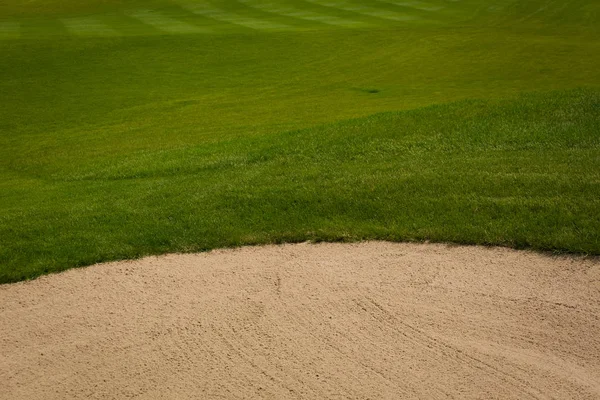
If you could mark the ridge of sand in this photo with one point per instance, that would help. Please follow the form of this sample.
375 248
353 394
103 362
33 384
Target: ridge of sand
328 321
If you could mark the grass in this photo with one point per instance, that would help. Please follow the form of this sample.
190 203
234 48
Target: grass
468 124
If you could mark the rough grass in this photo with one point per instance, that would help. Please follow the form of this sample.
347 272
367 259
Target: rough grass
146 142
520 173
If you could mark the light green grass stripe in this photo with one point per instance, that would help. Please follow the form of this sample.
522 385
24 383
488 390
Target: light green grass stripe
413 4
10 30
166 24
208 10
365 10
292 12
88 26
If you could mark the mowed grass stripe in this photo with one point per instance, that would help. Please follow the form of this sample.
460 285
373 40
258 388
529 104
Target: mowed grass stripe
365 10
165 23
417 5
425 12
10 30
209 11
288 11
129 26
88 26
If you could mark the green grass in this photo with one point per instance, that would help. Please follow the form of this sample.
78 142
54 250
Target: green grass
122 138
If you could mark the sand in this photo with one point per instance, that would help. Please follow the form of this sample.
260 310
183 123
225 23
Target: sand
329 321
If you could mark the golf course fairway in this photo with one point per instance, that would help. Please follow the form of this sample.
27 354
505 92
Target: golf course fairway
132 128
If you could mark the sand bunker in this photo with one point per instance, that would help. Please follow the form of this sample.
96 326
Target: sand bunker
329 321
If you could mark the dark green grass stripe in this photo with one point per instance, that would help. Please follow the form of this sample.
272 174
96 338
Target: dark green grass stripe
42 28
10 29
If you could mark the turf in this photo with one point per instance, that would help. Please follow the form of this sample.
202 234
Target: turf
142 127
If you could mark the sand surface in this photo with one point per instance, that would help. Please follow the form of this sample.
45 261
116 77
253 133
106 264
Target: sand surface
329 321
